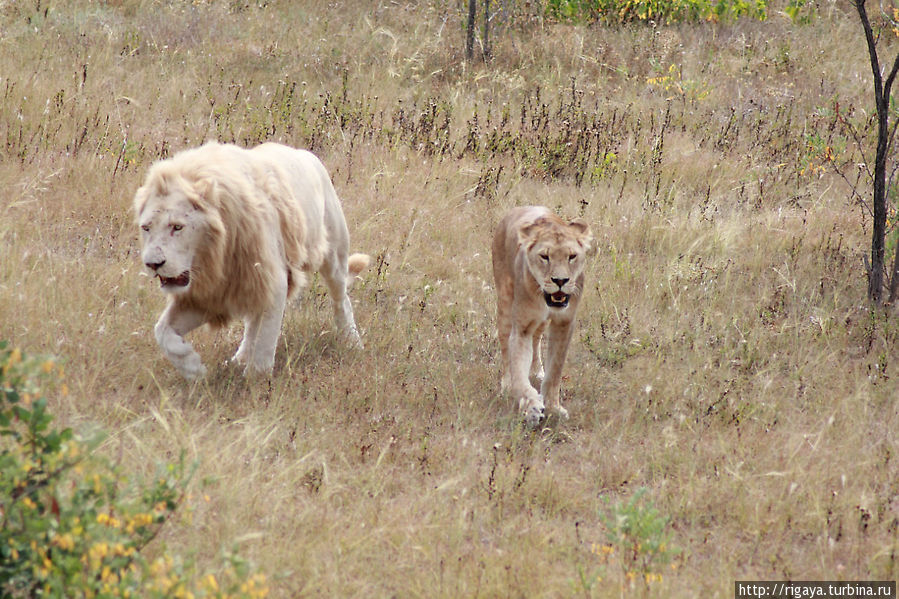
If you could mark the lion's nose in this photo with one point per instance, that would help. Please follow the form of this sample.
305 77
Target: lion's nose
154 265
559 282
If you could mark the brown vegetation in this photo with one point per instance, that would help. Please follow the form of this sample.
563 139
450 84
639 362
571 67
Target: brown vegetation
726 357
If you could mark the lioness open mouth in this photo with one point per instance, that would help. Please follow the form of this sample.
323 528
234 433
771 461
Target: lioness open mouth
181 280
559 299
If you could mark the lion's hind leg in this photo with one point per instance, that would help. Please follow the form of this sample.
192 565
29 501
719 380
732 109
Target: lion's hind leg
335 271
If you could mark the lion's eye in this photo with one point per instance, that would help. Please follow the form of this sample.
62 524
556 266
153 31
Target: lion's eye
177 227
572 257
544 257
145 228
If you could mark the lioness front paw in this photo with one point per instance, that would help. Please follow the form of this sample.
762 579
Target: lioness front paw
350 336
559 411
533 410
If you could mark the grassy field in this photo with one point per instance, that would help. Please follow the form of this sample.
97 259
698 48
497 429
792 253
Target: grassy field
728 384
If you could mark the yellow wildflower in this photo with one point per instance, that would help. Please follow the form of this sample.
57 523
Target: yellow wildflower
64 542
138 521
97 552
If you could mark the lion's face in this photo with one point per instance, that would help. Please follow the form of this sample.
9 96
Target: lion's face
555 257
172 228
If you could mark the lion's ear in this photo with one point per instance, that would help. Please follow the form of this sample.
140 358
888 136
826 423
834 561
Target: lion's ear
585 236
140 200
205 190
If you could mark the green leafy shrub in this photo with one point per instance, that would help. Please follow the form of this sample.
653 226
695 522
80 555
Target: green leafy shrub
638 534
659 11
71 525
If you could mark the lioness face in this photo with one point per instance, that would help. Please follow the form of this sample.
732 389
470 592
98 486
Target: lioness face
171 229
555 257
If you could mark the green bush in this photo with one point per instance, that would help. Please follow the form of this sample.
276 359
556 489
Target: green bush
72 524
659 11
638 534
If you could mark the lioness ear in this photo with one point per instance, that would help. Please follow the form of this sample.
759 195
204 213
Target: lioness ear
585 237
526 233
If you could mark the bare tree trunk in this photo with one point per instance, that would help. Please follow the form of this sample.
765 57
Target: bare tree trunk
486 30
882 103
469 37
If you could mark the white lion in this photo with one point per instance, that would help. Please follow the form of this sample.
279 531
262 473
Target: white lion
231 232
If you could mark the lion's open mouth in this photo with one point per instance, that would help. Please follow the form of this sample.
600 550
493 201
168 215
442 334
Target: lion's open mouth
182 280
559 299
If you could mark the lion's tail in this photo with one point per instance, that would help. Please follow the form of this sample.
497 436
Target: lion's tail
356 263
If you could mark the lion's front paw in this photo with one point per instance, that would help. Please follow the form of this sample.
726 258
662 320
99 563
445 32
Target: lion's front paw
532 410
192 368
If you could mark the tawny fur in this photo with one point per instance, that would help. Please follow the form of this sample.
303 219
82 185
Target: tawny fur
538 268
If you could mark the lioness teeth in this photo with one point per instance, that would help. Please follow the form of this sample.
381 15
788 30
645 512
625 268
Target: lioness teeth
558 299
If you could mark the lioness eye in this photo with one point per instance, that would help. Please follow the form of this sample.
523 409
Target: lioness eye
544 257
145 228
572 257
177 227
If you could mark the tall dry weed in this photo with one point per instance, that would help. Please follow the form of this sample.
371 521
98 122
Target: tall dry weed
725 360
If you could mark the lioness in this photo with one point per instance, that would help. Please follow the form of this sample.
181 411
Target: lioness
230 233
538 266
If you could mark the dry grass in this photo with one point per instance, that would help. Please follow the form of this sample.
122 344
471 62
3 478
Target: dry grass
726 359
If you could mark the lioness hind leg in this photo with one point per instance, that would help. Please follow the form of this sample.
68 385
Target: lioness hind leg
503 330
557 348
170 329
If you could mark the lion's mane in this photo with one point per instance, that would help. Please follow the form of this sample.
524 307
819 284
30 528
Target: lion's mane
243 199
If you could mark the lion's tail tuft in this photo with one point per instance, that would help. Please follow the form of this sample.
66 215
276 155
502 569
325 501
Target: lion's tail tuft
356 263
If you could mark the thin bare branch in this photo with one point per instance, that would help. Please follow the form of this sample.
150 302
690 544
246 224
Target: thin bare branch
872 50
